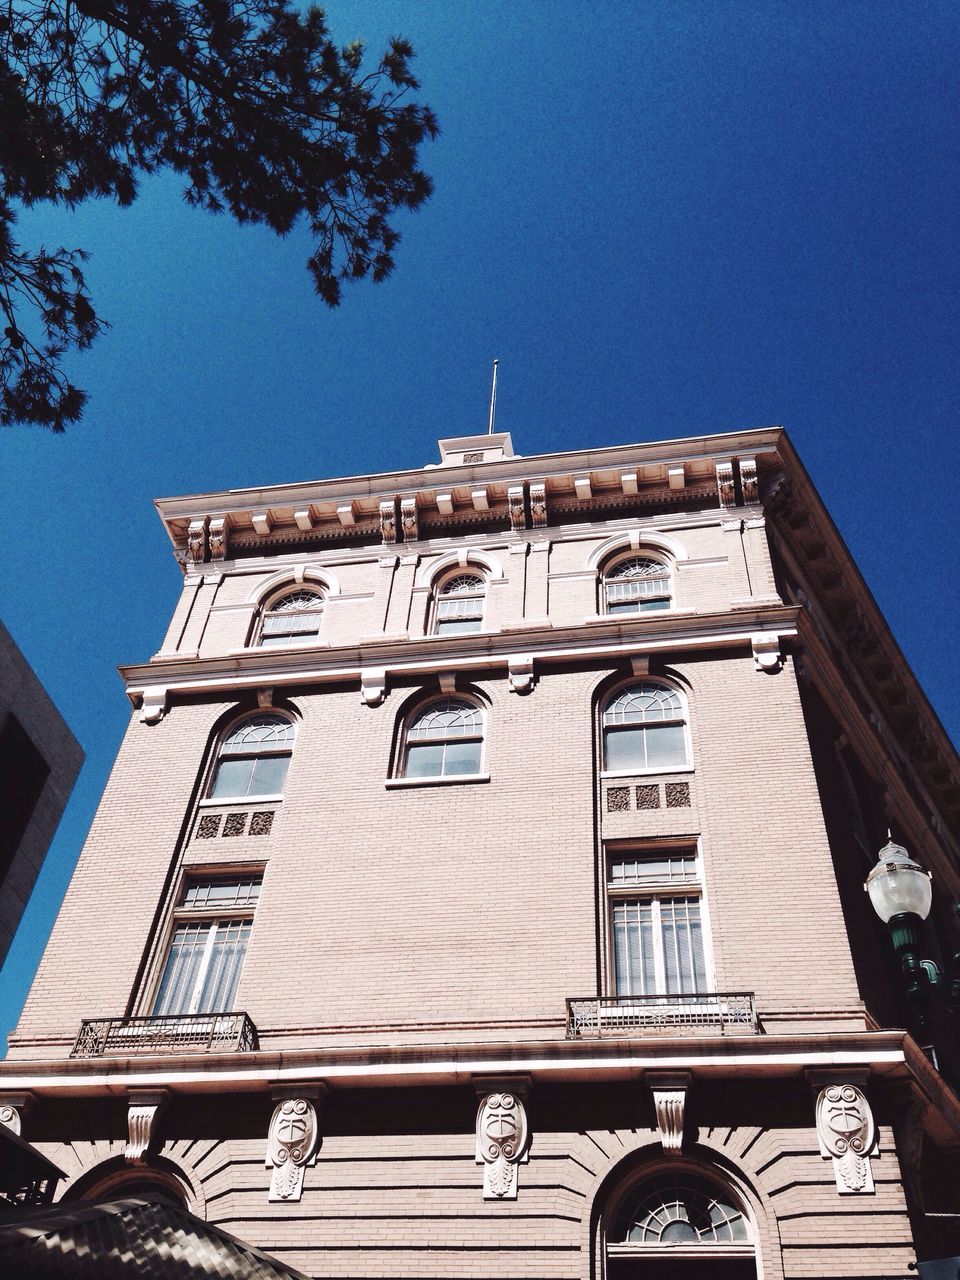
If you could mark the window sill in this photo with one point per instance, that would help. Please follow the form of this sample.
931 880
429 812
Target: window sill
649 773
236 802
394 784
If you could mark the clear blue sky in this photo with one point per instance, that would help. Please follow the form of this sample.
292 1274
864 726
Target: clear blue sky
666 217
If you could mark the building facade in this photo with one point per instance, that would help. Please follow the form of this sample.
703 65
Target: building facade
479 887
39 763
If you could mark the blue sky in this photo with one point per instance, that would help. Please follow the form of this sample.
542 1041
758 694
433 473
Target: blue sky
665 218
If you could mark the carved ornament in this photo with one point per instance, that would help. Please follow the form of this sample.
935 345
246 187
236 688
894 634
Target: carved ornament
197 540
292 1144
218 539
748 480
669 1099
388 520
766 652
502 1139
15 1110
153 705
538 505
373 686
725 489
143 1110
518 521
845 1131
520 671
408 518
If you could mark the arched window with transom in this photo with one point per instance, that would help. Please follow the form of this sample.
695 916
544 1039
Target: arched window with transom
678 1224
645 730
444 739
292 617
458 603
253 758
636 584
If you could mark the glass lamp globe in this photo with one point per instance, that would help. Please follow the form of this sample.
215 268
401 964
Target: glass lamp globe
898 885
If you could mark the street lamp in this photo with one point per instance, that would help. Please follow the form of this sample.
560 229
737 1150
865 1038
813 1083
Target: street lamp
901 894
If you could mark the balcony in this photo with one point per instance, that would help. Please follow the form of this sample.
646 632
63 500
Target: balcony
702 1013
177 1033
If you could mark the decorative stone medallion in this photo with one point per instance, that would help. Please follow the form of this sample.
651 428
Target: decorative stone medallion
291 1146
502 1135
845 1130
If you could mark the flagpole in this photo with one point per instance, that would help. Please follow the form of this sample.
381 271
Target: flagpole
493 399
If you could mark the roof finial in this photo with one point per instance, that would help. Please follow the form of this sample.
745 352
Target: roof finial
493 399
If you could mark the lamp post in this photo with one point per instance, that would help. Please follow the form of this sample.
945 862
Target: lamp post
901 894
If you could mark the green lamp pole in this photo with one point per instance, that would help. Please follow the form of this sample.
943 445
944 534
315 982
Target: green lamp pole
901 894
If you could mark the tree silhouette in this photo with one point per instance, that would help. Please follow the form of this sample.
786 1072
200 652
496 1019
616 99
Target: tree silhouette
249 99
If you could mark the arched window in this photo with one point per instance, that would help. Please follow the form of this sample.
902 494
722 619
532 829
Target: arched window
667 1224
444 739
636 584
292 617
644 729
253 758
458 605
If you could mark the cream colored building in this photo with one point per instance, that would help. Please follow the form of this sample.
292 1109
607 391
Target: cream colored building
479 887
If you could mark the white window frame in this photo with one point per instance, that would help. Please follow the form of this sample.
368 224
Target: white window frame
647 772
641 553
213 915
270 606
219 754
655 891
409 722
437 595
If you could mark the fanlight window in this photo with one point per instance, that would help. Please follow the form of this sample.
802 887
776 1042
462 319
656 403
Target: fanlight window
644 728
678 1209
444 739
253 758
637 585
459 604
291 618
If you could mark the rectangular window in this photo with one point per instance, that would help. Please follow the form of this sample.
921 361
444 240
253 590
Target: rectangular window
656 931
635 748
210 936
456 616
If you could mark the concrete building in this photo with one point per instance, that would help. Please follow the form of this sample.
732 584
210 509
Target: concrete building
39 763
479 890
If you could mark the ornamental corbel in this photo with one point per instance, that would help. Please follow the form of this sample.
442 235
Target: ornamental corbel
153 704
293 1141
669 1091
725 487
518 520
503 1135
748 480
520 671
373 685
143 1111
408 519
388 520
845 1129
766 652
217 536
538 505
15 1109
197 540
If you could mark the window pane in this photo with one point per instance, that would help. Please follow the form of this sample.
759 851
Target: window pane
187 948
268 775
223 969
424 760
653 868
461 757
682 945
232 778
222 893
457 626
633 948
626 750
666 746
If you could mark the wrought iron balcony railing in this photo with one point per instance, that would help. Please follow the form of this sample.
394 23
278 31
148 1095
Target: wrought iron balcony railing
705 1011
176 1033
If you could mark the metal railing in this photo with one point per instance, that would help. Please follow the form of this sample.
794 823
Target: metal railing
719 1011
176 1033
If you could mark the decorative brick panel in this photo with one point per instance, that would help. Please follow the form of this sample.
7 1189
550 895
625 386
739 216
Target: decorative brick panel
618 799
235 824
208 826
473 457
648 796
261 823
678 795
